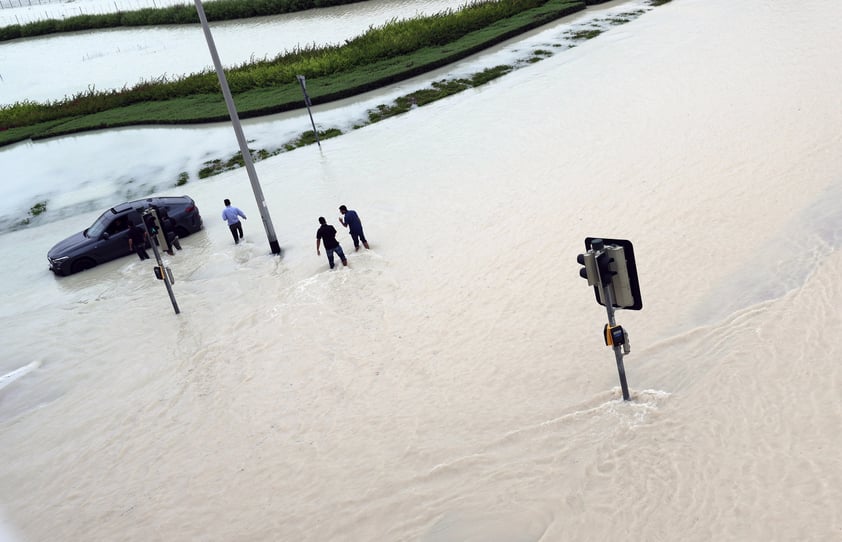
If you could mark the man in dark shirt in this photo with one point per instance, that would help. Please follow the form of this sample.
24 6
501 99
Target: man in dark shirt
327 233
137 241
351 220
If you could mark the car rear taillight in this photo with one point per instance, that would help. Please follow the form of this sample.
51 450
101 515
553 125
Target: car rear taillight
190 209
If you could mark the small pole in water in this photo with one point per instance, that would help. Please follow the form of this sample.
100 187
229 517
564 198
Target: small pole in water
164 272
618 350
307 103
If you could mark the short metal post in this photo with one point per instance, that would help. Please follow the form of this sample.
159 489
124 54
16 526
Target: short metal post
618 350
307 103
165 276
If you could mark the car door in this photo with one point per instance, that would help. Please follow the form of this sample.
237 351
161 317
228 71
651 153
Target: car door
114 241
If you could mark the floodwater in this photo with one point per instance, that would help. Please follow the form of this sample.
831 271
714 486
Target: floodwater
27 11
451 384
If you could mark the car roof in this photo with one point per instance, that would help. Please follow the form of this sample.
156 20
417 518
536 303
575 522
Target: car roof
163 200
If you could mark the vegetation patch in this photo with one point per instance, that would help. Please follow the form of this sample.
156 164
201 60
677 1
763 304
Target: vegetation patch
308 138
585 34
38 208
211 167
235 161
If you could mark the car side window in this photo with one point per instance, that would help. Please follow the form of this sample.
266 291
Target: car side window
118 225
135 218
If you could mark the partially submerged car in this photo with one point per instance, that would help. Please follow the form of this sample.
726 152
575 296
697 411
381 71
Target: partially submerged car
107 238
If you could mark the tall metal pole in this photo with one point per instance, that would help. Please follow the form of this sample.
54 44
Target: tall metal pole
238 129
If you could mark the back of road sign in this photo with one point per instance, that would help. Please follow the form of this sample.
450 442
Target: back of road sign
623 269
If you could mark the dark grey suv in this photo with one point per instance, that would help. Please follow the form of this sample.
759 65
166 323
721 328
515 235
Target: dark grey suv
107 238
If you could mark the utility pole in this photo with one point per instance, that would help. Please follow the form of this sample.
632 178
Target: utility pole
238 130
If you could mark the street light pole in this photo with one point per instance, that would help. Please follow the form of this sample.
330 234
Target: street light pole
238 130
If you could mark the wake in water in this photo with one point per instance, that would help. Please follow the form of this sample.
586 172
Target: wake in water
780 266
8 378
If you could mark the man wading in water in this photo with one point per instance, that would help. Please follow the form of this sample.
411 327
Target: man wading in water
354 225
232 215
327 233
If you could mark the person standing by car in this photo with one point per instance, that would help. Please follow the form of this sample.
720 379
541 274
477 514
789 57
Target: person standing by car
327 233
137 241
168 226
354 225
232 216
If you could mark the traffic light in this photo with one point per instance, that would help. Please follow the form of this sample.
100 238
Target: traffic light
609 264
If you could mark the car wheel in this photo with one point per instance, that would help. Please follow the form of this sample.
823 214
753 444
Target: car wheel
181 231
81 264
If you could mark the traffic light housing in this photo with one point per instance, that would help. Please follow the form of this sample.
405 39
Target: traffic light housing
589 269
606 270
609 263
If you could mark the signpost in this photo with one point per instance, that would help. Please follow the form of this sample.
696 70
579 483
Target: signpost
609 266
307 103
